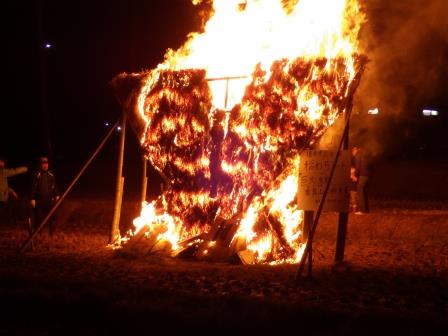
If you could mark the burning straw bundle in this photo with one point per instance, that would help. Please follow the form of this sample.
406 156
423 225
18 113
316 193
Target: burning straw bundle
222 167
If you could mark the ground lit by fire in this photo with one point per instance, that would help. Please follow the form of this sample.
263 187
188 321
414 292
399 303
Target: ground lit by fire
225 118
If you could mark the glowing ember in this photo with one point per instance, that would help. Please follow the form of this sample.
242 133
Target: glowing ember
229 149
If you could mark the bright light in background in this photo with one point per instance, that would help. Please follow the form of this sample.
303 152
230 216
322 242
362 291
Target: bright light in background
119 128
374 111
430 113
106 124
47 45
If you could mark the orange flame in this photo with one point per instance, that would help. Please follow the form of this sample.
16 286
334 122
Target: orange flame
279 73
242 34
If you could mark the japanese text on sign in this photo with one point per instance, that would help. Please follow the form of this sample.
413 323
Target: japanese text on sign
314 172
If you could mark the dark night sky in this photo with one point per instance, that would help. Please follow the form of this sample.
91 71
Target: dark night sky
91 43
95 40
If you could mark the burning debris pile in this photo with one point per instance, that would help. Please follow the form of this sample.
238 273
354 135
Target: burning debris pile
231 174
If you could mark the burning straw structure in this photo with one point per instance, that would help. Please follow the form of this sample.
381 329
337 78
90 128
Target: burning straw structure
231 174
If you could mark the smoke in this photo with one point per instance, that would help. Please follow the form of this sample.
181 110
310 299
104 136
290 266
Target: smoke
407 44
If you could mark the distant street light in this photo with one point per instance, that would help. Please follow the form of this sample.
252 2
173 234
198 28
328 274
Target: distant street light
47 45
430 113
374 111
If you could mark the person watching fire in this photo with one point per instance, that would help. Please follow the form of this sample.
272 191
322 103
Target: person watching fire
362 173
44 193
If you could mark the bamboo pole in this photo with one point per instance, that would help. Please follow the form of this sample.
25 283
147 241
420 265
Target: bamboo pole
120 200
348 110
307 224
61 199
226 98
343 216
144 179
115 237
225 78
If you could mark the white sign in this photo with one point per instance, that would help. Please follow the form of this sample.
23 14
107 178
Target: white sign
314 172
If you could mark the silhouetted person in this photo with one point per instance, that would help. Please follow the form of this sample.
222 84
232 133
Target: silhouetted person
353 185
5 190
44 194
362 173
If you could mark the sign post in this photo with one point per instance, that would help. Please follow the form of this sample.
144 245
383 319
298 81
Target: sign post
330 141
315 169
343 215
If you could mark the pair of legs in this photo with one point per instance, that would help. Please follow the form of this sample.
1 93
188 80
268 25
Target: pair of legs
363 203
40 212
353 201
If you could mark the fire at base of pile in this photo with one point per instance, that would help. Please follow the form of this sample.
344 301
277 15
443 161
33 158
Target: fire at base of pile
219 242
160 237
231 177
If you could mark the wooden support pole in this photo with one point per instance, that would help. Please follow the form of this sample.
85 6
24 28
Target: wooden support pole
341 237
307 224
308 218
310 260
343 216
144 179
115 237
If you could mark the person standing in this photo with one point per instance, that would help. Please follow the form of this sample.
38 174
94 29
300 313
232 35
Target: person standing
5 190
362 174
44 194
353 190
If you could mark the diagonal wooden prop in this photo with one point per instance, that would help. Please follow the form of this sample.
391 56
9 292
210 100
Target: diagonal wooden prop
348 111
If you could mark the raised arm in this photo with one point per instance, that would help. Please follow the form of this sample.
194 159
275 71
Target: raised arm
15 171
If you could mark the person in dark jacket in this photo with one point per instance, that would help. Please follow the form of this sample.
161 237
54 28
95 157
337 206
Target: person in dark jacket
363 170
44 194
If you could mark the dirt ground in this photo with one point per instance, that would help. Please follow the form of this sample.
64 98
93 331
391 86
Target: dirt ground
394 281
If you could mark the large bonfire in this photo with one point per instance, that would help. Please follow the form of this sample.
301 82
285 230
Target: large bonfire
225 118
